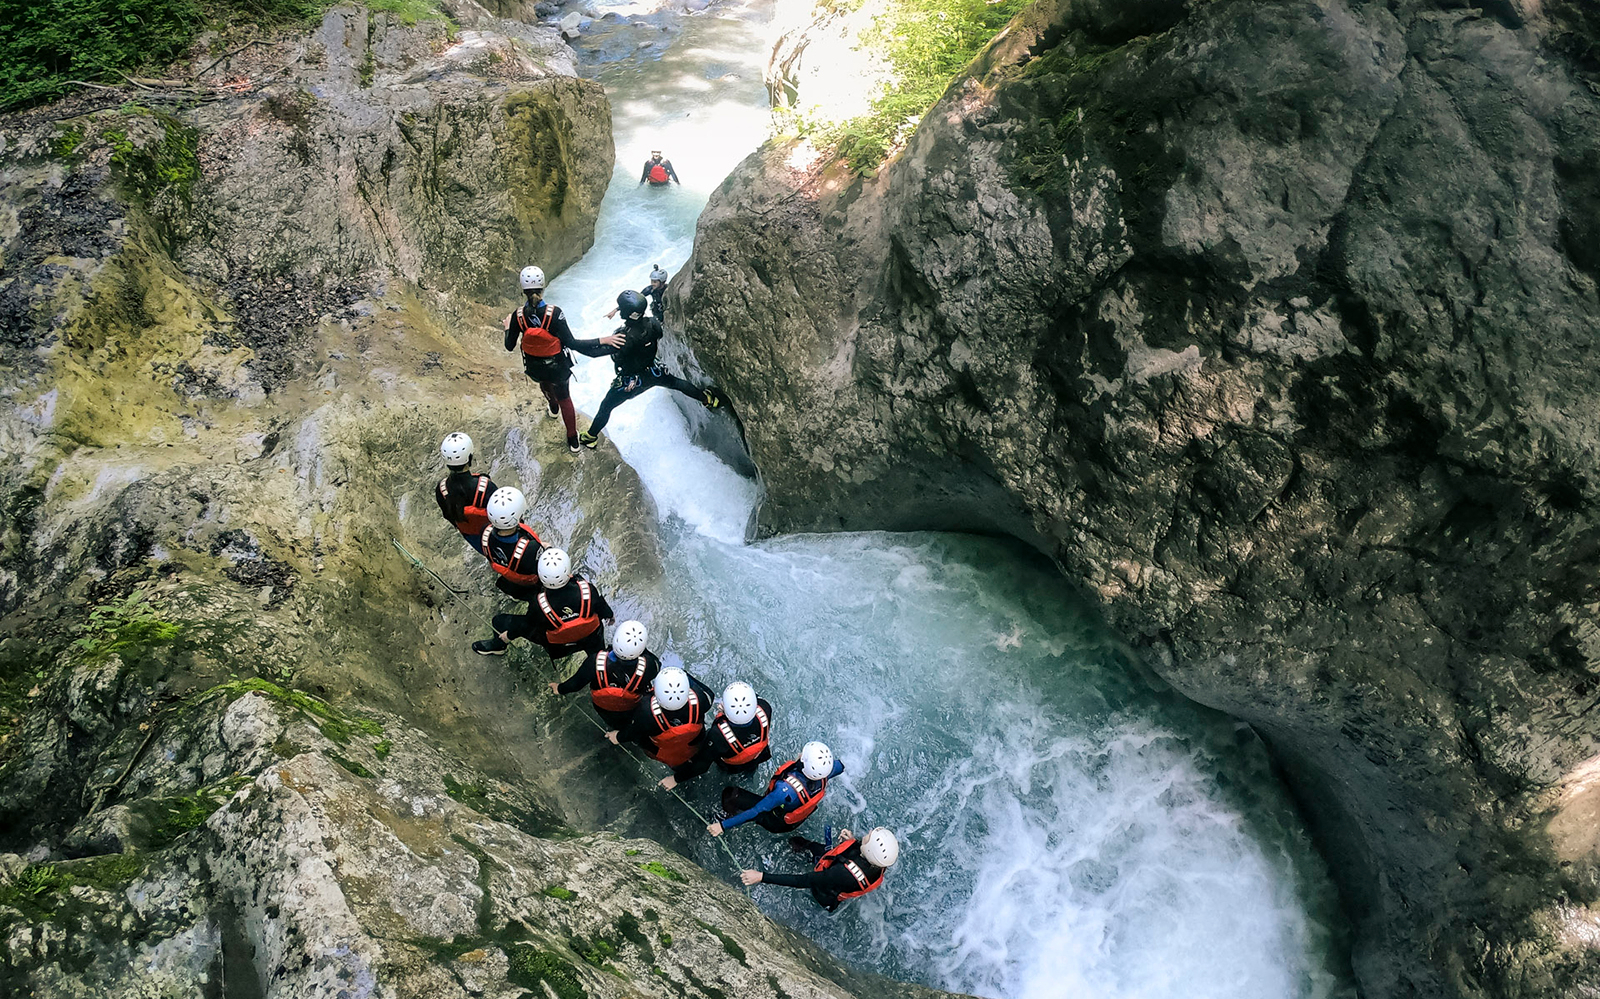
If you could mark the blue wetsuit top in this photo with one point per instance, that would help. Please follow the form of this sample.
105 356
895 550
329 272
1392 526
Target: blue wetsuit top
782 796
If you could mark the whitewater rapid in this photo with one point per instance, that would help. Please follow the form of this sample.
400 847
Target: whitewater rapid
1067 830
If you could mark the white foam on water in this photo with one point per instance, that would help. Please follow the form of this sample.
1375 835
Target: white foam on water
1067 832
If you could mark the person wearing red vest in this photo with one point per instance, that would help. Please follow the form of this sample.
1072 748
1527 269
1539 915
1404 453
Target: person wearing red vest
463 495
513 549
618 678
541 332
796 789
658 172
738 740
849 870
669 724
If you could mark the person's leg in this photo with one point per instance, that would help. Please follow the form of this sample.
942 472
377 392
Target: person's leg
549 397
737 799
507 624
772 823
615 720
708 396
810 846
560 395
614 398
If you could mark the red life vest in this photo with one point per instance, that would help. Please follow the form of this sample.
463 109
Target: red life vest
512 569
609 697
743 753
537 340
475 517
675 741
790 774
563 631
658 174
866 884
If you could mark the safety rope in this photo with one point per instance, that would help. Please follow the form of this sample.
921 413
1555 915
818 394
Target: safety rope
460 596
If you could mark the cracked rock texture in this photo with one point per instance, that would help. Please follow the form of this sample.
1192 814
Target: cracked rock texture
1274 324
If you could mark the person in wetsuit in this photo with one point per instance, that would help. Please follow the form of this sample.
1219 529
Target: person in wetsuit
849 870
618 678
796 789
637 367
513 549
669 725
541 332
655 292
738 740
463 495
658 172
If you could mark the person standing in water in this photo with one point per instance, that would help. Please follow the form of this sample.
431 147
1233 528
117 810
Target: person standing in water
738 739
658 172
637 367
793 794
463 495
849 870
541 331
669 725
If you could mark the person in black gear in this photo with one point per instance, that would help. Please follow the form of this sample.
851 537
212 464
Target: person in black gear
655 291
637 367
564 613
737 741
841 873
540 330
668 724
658 172
618 678
463 495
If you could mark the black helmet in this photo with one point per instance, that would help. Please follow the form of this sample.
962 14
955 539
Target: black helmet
631 304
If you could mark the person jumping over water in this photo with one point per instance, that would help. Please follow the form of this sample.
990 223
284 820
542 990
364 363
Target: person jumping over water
793 794
463 495
658 172
849 870
541 330
637 367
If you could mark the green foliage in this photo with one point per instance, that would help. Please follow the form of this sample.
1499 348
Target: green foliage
382 748
531 966
408 11
128 628
927 42
36 889
172 817
350 765
337 725
563 894
661 870
597 953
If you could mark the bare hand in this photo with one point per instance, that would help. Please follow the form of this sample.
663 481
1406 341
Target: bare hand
714 829
844 834
669 782
613 737
750 877
612 314
613 339
555 688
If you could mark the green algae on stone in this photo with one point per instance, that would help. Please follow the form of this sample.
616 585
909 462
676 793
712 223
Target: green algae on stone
531 967
560 893
349 764
661 870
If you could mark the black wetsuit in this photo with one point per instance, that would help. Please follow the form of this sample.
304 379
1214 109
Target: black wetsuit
717 750
658 307
827 885
642 727
644 175
619 672
638 370
534 626
459 490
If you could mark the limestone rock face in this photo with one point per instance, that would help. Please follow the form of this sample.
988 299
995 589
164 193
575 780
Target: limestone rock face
1273 323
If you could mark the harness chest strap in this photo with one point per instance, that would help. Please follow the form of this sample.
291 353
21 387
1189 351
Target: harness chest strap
666 724
554 618
857 873
602 676
726 728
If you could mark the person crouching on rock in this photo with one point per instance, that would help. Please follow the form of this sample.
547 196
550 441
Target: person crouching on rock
542 333
849 870
463 495
795 791
637 367
737 740
669 724
617 678
658 172
513 549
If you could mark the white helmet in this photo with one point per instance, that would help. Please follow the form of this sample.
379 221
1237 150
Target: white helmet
629 643
739 703
506 507
880 847
532 279
816 761
672 688
659 273
555 568
457 449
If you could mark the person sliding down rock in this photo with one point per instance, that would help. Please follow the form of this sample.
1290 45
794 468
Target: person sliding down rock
513 549
616 678
463 495
849 870
637 367
669 724
658 172
796 789
541 331
654 291
737 740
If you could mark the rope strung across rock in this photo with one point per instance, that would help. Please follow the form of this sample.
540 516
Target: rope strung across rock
460 596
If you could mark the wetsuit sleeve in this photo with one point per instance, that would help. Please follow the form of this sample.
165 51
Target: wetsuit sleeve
601 608
516 591
831 882
838 768
671 172
640 725
644 174
781 796
440 498
706 696
563 332
512 334
579 680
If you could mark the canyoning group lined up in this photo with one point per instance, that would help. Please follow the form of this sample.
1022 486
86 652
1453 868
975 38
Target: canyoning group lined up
669 714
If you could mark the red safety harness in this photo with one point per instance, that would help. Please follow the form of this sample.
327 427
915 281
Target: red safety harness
833 856
610 697
790 774
743 752
564 631
475 517
537 340
511 569
675 740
